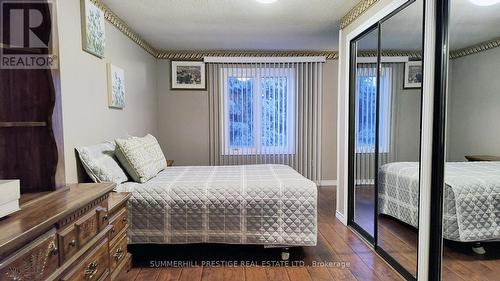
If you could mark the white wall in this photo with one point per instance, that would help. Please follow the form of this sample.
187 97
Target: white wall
178 118
184 124
86 116
408 127
473 109
408 114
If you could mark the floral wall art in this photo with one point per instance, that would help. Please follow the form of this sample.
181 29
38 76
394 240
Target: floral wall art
93 33
116 87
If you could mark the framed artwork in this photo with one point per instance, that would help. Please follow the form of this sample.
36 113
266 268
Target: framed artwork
188 75
93 33
116 87
413 75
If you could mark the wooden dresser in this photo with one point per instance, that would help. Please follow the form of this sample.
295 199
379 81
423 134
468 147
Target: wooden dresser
78 232
476 158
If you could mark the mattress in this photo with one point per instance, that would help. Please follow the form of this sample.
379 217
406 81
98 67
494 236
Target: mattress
253 204
471 207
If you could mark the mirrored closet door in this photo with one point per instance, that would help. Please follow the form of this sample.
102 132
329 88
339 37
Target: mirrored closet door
471 195
385 120
400 98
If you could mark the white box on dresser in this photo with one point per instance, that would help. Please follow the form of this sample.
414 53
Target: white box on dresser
9 197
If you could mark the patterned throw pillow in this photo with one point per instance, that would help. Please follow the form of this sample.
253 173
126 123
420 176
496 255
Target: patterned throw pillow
101 164
142 158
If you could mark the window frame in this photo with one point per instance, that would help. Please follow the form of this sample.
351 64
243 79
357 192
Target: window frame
258 74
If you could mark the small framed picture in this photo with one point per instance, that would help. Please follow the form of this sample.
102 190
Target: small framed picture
116 87
413 75
188 75
93 33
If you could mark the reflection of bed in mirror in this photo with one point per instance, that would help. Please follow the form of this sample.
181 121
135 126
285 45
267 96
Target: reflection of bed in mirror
471 210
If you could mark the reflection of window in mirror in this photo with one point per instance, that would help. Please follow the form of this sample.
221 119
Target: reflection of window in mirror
385 100
471 211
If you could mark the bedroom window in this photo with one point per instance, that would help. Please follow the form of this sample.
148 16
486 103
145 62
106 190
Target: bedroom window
258 115
366 108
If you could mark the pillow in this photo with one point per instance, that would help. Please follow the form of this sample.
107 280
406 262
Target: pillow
101 164
142 158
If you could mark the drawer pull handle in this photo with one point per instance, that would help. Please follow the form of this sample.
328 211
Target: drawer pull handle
55 251
119 254
105 218
91 270
53 248
113 230
124 220
72 243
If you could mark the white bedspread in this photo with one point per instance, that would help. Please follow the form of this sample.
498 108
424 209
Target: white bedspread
255 204
471 198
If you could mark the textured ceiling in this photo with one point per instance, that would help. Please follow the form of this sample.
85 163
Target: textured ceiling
470 25
287 24
235 24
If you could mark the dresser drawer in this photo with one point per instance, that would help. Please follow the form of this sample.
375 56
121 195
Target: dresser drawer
102 215
35 261
93 266
86 227
118 252
119 222
68 243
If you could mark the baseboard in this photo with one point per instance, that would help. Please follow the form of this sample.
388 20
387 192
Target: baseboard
341 217
327 182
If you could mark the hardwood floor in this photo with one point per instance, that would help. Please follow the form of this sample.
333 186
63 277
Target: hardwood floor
400 241
363 206
339 255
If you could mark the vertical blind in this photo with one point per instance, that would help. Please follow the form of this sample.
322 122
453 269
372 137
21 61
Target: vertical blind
365 120
266 113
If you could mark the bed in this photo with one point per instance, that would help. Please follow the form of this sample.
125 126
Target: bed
269 205
471 198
